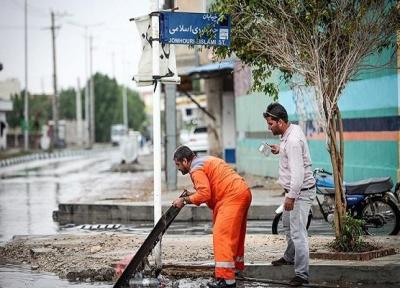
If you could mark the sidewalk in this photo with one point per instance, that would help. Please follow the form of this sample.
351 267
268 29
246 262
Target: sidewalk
96 257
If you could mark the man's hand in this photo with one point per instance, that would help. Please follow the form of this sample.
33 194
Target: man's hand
187 193
274 148
289 203
178 202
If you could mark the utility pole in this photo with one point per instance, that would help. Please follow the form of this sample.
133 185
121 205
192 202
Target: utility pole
79 114
170 128
92 96
113 63
87 95
89 105
26 100
125 107
87 117
124 92
55 96
156 124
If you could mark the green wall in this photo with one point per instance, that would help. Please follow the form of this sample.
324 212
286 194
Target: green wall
366 98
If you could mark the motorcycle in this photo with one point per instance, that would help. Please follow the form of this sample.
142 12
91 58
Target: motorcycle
370 200
397 193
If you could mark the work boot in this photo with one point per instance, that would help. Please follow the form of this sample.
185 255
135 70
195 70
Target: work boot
220 283
280 262
298 281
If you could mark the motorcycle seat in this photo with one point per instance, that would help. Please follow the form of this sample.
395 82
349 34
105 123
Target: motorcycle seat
369 186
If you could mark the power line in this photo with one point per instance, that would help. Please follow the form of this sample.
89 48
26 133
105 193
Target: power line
89 88
15 27
33 10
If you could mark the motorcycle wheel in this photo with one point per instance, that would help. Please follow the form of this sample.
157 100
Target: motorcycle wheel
382 217
277 226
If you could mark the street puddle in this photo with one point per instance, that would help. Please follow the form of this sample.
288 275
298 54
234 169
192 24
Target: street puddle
17 276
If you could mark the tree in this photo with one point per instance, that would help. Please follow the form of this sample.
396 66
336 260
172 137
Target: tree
68 104
136 111
324 42
14 117
108 107
39 111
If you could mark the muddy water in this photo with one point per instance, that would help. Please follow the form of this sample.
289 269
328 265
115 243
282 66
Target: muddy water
12 276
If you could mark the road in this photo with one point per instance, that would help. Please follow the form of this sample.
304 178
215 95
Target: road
30 192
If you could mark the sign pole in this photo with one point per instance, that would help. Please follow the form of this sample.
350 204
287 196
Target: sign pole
156 125
176 28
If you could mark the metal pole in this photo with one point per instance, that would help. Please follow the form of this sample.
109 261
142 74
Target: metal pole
170 125
79 114
87 111
26 100
156 126
92 96
55 96
125 107
113 63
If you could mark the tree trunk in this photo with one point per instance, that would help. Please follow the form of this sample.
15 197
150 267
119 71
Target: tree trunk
336 153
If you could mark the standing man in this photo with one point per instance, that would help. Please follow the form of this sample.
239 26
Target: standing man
229 197
296 178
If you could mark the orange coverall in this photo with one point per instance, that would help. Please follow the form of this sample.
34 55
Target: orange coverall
227 194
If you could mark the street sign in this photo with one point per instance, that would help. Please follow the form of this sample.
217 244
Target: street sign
191 28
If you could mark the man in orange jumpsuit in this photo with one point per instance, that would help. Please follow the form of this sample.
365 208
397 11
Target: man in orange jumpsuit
229 197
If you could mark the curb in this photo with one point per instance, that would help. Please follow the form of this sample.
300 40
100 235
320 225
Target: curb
321 272
46 155
78 213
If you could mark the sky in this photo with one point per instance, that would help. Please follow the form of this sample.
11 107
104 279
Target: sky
116 43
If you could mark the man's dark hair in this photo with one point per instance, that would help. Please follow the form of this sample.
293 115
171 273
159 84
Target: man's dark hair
183 152
276 111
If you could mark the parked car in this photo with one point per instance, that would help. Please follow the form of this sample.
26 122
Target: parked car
198 139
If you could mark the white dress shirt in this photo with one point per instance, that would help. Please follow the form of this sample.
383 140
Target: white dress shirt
295 167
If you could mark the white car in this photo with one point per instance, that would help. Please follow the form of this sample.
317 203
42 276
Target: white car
118 131
198 139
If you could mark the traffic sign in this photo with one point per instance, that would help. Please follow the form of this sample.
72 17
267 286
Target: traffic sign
194 28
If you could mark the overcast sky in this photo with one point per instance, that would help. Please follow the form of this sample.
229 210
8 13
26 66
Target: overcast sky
108 21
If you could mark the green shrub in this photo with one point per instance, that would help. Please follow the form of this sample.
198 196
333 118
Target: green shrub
351 239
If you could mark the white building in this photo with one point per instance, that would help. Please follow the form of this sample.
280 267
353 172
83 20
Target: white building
8 88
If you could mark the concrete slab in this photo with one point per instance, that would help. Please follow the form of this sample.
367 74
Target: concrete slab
78 213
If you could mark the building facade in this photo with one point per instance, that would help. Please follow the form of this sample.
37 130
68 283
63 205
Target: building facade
370 112
8 88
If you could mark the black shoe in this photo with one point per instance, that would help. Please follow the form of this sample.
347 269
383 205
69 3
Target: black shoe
298 281
238 274
219 283
280 262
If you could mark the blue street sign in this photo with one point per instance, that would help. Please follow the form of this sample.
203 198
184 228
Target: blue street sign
188 28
